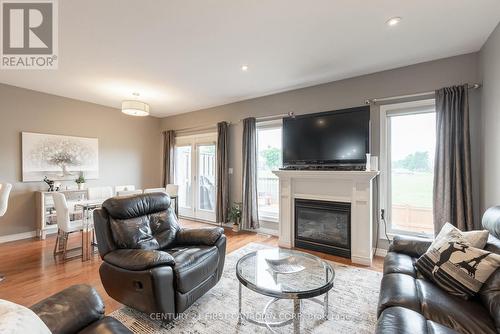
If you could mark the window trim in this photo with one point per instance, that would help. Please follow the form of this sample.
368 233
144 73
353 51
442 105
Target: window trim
269 125
386 111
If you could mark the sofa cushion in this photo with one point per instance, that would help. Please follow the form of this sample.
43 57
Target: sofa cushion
400 320
152 231
490 297
142 221
136 206
398 290
106 325
464 316
399 263
491 221
15 318
457 267
193 265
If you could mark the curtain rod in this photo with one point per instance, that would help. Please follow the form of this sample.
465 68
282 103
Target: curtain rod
381 99
272 117
291 114
210 126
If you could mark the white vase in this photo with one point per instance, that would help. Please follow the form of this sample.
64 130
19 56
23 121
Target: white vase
236 227
368 162
81 186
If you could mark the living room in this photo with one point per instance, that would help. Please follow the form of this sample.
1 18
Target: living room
249 167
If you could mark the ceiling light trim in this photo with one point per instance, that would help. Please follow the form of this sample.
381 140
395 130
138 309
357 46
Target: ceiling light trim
393 21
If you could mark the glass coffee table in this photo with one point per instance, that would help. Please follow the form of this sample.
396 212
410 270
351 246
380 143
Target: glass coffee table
284 274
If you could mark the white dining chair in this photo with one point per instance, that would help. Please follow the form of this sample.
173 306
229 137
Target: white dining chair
99 193
5 189
155 190
65 226
129 192
172 189
124 188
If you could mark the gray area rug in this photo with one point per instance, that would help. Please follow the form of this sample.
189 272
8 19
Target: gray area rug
352 302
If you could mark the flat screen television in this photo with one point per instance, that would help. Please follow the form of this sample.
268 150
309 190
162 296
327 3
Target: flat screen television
328 138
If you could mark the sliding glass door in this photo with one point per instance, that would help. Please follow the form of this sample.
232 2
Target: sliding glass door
195 163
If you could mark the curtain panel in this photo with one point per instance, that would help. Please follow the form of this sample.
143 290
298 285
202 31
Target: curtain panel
222 176
250 216
452 167
168 157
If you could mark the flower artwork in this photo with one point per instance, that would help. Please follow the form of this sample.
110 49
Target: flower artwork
59 157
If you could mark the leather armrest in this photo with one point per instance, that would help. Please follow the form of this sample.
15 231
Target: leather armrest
199 236
106 325
138 259
70 310
412 246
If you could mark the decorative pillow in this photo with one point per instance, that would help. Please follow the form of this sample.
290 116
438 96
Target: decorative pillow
15 318
477 239
454 265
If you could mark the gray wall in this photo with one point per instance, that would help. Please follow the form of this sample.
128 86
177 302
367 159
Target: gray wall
490 102
129 147
341 94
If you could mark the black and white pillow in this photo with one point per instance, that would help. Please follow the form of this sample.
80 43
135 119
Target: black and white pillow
456 266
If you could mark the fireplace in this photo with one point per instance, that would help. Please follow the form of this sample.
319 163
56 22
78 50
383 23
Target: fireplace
323 226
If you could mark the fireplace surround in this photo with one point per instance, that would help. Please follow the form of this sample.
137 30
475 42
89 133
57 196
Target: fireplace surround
323 226
354 187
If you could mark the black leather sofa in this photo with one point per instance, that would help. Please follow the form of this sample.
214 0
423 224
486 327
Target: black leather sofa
150 262
409 303
77 309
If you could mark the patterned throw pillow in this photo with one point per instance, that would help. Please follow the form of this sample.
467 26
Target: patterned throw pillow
454 265
477 239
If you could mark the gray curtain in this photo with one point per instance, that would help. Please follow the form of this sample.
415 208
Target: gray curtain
250 215
222 172
168 157
452 168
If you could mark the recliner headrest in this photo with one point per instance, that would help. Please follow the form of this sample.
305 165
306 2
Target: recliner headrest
127 207
491 221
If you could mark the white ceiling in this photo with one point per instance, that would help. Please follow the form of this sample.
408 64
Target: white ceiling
184 55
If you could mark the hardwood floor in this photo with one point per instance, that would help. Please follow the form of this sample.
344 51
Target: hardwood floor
32 273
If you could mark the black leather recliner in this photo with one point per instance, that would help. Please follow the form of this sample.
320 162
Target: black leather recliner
150 262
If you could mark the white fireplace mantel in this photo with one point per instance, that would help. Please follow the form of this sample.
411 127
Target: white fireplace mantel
353 187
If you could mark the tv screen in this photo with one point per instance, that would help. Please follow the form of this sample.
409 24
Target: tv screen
333 137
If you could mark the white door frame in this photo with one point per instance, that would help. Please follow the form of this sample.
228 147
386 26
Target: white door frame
195 141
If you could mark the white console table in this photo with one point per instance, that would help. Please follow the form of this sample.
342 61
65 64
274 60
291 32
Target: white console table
46 219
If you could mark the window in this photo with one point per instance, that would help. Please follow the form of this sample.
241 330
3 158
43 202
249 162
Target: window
408 139
269 159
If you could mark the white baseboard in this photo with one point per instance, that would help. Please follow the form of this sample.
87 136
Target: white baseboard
17 236
381 252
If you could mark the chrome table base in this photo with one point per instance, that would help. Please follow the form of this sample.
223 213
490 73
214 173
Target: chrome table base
295 319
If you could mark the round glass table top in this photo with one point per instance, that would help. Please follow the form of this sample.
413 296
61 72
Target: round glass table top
285 273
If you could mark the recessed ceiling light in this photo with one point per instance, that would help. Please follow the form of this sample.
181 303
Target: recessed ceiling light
244 68
393 21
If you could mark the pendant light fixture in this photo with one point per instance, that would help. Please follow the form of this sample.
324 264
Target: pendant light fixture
135 107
